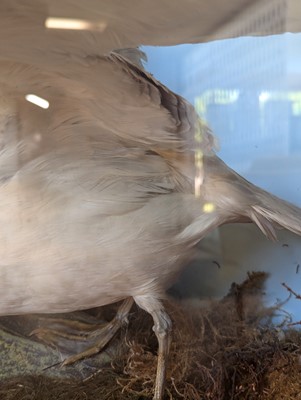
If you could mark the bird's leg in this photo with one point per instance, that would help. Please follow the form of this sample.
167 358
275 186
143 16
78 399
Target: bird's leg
97 338
162 328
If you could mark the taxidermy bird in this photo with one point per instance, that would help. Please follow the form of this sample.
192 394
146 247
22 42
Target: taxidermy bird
105 193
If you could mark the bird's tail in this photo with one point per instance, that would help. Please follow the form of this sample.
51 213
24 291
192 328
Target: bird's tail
244 202
269 212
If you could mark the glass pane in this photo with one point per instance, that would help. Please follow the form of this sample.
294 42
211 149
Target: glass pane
249 92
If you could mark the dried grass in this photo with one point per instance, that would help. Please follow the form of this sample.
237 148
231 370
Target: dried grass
227 351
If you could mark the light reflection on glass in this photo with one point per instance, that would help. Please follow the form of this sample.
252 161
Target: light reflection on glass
74 24
248 89
208 207
38 101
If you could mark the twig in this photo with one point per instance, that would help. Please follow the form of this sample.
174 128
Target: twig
297 296
294 323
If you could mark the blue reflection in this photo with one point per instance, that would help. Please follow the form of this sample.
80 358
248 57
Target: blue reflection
249 91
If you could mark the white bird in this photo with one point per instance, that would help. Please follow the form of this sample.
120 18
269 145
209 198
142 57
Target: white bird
104 194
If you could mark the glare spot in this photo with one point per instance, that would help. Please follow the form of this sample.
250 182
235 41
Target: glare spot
208 207
75 24
38 101
264 96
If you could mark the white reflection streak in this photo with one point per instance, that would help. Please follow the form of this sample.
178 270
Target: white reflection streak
198 159
38 101
198 180
74 24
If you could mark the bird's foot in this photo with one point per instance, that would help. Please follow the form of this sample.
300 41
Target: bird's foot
81 339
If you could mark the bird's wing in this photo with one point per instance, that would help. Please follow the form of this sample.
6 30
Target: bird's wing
110 124
112 113
67 56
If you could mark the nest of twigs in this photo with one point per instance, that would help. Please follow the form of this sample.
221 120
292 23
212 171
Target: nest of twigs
228 350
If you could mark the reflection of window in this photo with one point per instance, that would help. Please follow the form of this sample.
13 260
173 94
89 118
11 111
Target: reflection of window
242 117
249 91
215 96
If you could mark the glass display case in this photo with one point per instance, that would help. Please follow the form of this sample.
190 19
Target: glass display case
248 90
